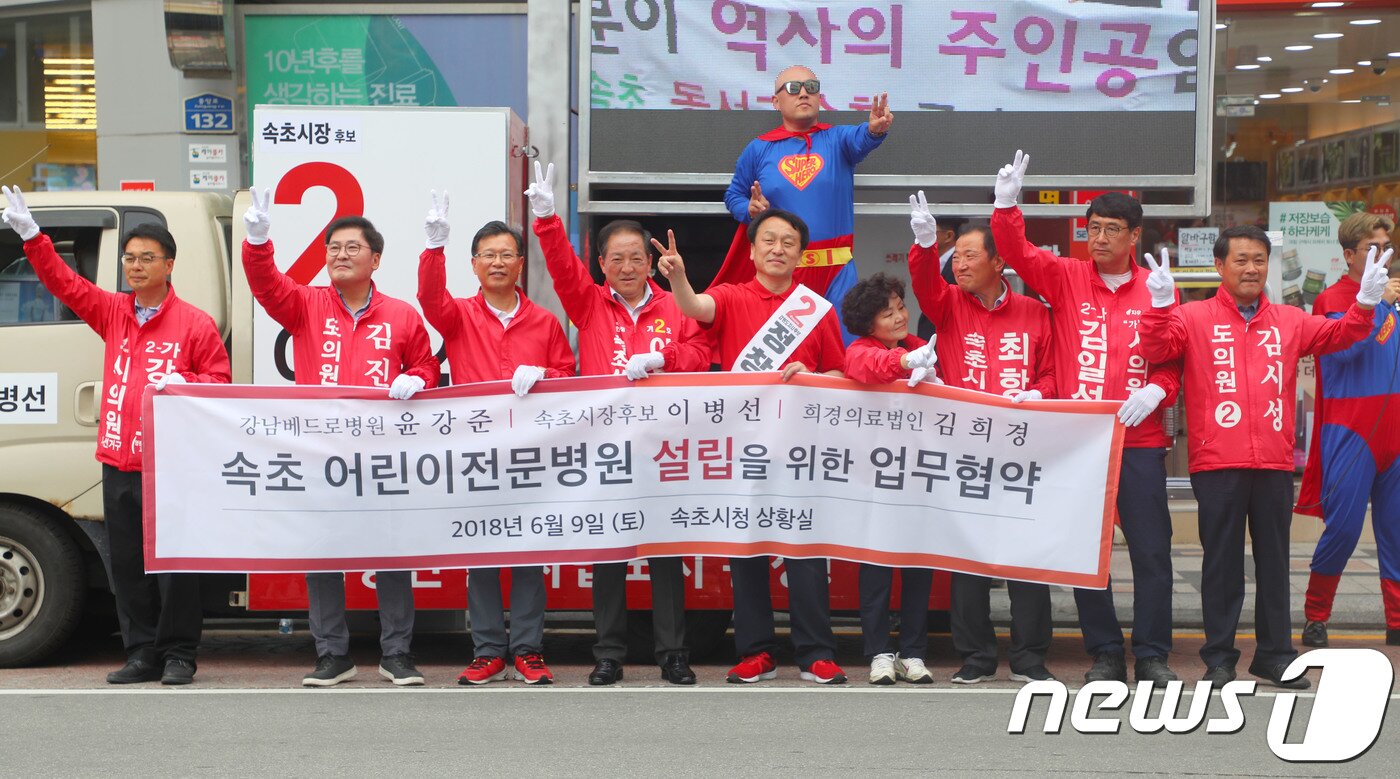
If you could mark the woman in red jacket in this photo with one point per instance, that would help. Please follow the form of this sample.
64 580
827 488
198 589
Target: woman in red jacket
886 351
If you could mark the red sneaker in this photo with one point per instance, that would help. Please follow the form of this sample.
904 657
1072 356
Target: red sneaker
531 669
752 669
483 670
824 672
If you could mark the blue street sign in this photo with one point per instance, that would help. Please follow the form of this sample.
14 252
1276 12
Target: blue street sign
208 113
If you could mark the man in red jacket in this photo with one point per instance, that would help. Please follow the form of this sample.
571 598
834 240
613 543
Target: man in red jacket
496 334
151 337
347 334
993 340
627 326
1095 307
735 314
1241 354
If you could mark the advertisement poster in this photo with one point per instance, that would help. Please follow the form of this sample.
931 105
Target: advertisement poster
1312 258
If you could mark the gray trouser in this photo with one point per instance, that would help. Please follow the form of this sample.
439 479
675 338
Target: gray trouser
667 608
487 613
325 593
975 639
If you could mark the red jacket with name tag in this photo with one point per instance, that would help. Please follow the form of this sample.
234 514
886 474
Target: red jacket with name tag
1098 349
1003 350
328 345
1241 376
479 348
179 338
607 335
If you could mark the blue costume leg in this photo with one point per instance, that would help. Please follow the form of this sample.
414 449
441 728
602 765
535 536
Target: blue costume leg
836 291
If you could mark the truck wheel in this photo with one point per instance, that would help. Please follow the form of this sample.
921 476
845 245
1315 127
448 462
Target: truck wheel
41 586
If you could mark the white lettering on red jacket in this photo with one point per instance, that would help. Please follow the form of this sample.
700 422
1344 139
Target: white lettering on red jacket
179 338
1098 353
479 348
1241 376
607 336
328 345
1004 350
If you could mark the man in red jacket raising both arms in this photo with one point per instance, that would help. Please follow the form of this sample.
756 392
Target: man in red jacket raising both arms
1095 307
1241 354
346 334
992 340
736 315
151 336
494 335
627 326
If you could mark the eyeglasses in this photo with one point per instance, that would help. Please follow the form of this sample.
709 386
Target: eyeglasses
812 86
144 259
350 249
492 256
1110 231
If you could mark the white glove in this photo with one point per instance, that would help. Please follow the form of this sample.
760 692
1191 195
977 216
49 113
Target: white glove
168 379
541 193
17 214
1160 282
436 225
1140 405
525 378
1026 395
1373 279
406 386
1009 181
923 374
638 365
256 219
923 224
922 357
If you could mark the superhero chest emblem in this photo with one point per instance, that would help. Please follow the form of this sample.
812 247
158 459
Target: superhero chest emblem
1387 329
800 169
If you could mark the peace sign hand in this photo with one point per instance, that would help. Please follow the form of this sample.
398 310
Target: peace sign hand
256 219
541 192
17 214
880 115
1160 282
757 202
1374 279
1010 179
669 263
923 224
436 225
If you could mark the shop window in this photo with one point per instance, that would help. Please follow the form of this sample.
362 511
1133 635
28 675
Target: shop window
9 74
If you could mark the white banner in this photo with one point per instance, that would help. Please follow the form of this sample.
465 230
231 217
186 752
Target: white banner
595 469
989 55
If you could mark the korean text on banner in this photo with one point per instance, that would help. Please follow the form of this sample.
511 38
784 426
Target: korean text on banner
595 469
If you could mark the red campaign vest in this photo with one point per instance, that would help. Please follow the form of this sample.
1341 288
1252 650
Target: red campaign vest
607 336
1241 377
1098 352
328 345
179 338
869 362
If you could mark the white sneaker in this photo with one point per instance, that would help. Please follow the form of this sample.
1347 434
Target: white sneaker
912 670
882 669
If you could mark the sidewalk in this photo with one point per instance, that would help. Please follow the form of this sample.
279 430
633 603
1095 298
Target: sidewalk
1357 607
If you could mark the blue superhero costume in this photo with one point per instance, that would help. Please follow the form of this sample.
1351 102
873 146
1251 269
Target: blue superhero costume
1355 455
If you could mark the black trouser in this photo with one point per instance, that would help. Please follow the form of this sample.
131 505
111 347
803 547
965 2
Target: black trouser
1147 526
915 584
809 604
667 608
1227 500
971 616
160 613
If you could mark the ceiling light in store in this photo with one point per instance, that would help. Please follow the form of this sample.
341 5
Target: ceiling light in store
1393 54
1364 63
1291 90
1221 25
70 101
1264 59
1327 36
1364 22
1341 71
1349 101
1298 47
1247 67
1270 96
1328 5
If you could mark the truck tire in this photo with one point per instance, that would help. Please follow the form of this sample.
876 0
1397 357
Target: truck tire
42 587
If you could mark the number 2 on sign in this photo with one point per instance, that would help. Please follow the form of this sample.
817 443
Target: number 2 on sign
349 201
809 307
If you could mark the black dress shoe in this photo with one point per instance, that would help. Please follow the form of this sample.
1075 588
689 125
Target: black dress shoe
1153 669
1219 675
137 669
1108 667
676 669
1273 674
178 670
1315 634
606 672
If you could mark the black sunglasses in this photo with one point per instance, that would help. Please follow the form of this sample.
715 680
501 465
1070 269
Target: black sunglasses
812 86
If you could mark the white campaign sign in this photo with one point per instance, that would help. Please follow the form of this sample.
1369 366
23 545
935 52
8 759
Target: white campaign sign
594 469
783 333
381 163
